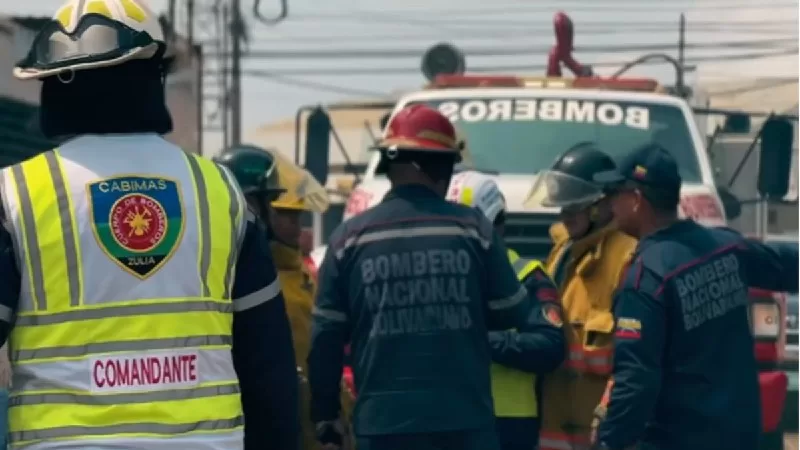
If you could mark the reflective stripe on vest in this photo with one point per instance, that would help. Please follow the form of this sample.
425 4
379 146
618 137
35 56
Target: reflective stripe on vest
597 361
514 391
90 334
522 266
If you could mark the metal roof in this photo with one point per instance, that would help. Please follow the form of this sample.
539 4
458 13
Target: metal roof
758 95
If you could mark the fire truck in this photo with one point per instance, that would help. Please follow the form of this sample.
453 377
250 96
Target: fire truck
516 126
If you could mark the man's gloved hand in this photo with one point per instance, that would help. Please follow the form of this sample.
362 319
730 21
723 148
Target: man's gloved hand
330 434
499 339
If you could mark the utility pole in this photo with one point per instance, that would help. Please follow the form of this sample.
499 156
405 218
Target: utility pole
681 81
171 15
237 34
223 60
190 23
682 40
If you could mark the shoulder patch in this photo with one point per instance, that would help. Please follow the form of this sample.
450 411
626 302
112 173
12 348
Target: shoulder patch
137 220
552 314
628 328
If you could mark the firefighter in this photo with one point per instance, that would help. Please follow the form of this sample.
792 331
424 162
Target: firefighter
414 284
517 355
280 192
685 376
586 262
139 296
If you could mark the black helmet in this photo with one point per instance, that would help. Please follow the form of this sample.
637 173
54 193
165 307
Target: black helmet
570 181
583 161
254 168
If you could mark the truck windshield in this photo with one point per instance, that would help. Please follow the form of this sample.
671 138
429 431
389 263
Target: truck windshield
524 135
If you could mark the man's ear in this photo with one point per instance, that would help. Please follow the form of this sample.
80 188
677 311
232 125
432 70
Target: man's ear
639 199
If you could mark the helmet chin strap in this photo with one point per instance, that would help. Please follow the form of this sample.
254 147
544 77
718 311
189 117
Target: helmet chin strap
424 174
433 181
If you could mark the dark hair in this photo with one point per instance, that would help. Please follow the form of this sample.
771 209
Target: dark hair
436 166
500 219
128 98
664 201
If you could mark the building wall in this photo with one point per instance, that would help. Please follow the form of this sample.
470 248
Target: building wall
14 40
727 154
184 85
184 89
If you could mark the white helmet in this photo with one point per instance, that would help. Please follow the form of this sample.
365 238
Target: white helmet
479 191
89 34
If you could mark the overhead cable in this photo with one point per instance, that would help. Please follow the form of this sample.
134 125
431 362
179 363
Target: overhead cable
571 7
518 35
487 51
382 71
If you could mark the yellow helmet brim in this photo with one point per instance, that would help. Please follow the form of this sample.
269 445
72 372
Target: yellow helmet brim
303 191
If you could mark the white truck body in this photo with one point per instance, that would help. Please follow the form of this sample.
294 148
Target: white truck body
590 112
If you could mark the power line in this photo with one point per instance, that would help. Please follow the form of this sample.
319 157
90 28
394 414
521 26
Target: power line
382 71
552 7
533 24
389 53
316 86
496 31
504 33
497 34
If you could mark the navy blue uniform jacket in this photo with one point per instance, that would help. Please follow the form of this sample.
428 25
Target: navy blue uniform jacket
541 346
262 341
684 368
414 284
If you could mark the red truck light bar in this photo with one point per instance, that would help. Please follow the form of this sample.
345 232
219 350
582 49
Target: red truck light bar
471 81
493 81
620 84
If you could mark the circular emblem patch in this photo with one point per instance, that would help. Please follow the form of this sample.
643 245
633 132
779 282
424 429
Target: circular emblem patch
552 315
138 222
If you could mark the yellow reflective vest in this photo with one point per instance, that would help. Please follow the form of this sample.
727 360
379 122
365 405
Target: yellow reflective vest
514 391
126 248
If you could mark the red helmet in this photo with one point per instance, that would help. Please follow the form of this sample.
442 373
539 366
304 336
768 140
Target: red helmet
419 128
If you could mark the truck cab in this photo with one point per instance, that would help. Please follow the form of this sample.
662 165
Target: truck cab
516 127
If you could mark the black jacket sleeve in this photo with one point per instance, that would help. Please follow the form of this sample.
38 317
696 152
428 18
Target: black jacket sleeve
10 285
507 300
539 346
639 343
330 333
772 267
262 349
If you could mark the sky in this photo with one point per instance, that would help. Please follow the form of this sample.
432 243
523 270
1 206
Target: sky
473 25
